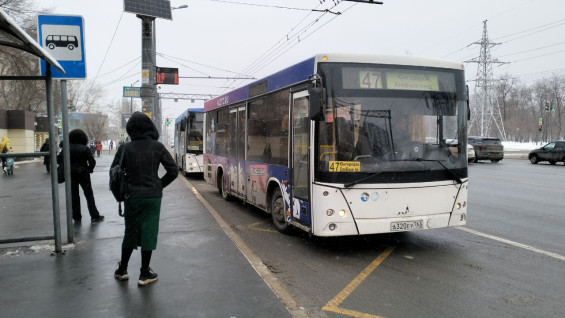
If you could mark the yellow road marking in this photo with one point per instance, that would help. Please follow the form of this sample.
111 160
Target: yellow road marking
333 305
268 277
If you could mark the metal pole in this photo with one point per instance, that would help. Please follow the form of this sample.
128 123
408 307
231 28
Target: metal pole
157 105
53 158
131 103
147 66
67 163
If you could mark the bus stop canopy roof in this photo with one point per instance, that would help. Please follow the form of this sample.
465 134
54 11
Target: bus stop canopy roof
12 35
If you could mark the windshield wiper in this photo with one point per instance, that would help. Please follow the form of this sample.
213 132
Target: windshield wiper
349 185
453 174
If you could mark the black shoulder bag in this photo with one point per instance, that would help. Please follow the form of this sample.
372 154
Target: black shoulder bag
118 182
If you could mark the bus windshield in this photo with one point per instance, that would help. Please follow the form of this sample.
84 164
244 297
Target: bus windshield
194 136
391 125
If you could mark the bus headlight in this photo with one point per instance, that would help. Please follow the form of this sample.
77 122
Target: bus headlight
342 213
458 206
332 226
329 212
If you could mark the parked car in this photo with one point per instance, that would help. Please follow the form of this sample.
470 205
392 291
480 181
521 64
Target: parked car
470 153
552 152
487 148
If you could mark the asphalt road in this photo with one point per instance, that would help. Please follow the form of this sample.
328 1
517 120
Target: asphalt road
509 261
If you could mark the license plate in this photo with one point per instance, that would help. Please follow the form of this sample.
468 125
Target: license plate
407 225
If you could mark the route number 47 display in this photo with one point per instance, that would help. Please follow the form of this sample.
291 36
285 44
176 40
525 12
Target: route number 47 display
370 79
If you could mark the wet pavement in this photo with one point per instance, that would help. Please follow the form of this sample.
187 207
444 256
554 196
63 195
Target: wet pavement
202 273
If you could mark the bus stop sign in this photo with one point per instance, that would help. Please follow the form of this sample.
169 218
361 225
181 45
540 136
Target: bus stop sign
63 37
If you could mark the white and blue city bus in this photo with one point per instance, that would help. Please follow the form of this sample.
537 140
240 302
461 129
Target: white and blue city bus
188 141
345 145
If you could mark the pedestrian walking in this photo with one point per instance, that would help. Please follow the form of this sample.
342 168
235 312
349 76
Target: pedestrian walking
4 148
111 146
142 157
46 158
98 147
82 165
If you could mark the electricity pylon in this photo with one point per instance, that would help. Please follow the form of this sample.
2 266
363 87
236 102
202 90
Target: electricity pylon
486 108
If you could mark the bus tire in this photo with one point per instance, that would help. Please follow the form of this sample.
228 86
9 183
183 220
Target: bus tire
222 187
278 213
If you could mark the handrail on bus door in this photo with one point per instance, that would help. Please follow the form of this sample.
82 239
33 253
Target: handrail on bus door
327 153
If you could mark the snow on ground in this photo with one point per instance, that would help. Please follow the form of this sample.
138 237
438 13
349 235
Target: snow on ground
509 145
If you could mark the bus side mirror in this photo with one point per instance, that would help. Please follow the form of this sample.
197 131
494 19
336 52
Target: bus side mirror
316 108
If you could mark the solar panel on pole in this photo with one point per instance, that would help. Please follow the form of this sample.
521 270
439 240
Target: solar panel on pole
152 8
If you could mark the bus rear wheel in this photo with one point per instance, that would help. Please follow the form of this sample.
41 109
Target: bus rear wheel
278 212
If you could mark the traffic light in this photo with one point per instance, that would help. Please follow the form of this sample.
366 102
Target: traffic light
546 107
168 122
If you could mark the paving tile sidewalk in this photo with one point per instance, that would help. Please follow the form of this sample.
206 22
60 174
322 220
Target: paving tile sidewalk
201 272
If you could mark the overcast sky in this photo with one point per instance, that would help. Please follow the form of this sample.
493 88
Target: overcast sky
226 38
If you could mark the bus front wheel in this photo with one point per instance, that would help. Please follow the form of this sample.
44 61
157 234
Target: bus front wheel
278 213
223 187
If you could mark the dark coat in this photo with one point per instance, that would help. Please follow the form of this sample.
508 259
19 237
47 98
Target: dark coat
45 148
143 156
80 157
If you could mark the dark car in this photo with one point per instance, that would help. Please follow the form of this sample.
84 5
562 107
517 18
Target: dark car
487 148
552 152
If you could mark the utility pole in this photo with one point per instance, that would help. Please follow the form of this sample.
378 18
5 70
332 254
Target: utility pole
148 88
486 108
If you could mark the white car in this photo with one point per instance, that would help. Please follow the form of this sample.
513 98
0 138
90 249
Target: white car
470 153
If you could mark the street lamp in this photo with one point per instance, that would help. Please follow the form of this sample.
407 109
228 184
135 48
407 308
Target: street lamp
179 7
131 99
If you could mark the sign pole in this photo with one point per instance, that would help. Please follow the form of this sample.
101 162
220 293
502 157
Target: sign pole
53 158
67 163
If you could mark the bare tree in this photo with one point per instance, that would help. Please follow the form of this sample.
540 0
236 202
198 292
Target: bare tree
21 95
96 126
557 92
503 89
84 95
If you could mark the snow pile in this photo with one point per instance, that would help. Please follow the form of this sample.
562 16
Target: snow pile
509 145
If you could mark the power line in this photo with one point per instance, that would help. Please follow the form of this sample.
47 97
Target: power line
122 66
185 60
281 48
535 57
108 49
265 55
531 29
260 5
539 48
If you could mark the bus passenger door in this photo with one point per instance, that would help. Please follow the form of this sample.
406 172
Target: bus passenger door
237 151
300 159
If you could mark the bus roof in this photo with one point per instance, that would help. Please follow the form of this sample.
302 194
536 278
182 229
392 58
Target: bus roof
290 75
183 115
305 69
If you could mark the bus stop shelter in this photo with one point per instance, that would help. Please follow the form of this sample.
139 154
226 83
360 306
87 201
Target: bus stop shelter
12 35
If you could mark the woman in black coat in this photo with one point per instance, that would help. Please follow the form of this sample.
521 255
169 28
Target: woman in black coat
142 158
82 165
46 159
